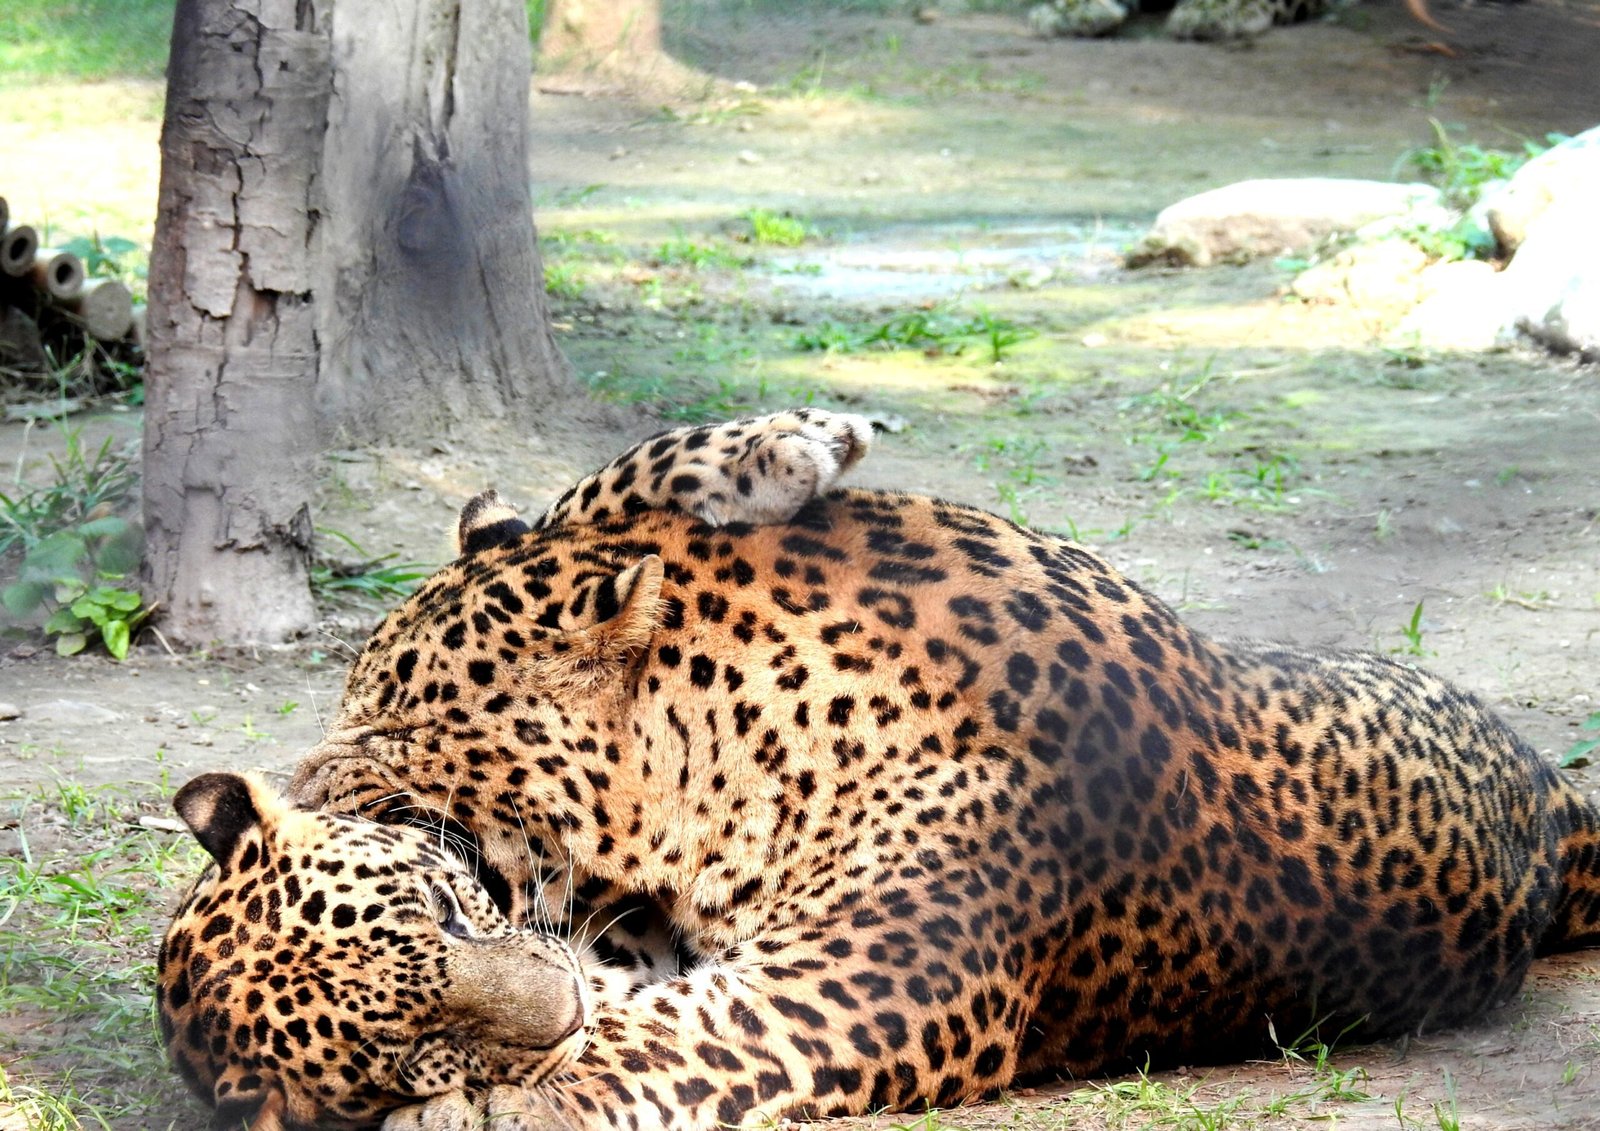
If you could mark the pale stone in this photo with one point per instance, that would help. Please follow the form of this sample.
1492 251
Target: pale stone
1373 276
1463 307
1566 171
1272 217
1553 283
72 711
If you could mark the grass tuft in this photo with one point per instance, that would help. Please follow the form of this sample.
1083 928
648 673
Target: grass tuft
48 40
84 888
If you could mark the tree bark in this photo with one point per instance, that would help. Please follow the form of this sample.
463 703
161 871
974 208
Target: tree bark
427 240
230 425
344 247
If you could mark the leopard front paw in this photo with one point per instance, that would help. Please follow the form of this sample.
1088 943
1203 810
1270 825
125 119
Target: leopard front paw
500 1108
789 459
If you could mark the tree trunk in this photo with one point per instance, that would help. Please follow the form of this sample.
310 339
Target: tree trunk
344 247
230 426
428 253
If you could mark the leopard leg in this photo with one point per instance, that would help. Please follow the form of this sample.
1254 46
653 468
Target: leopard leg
1082 18
757 470
500 1108
876 1010
863 1015
1225 19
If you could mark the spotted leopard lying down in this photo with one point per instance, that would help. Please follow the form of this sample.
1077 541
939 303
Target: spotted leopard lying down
1188 19
1191 19
895 803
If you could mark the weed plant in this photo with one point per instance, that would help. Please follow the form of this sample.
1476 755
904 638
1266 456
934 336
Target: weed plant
83 892
773 229
1462 170
1412 630
934 331
684 252
368 580
73 552
1579 753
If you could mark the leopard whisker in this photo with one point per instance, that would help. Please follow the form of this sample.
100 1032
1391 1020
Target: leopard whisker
615 919
573 1081
311 694
354 654
539 905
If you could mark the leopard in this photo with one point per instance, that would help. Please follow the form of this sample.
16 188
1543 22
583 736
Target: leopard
758 469
925 804
1201 20
389 1007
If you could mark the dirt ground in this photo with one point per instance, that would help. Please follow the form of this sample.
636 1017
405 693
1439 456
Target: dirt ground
1274 469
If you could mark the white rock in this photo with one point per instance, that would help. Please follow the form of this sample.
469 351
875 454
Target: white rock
1464 307
1374 275
1271 217
1570 169
1553 283
9 711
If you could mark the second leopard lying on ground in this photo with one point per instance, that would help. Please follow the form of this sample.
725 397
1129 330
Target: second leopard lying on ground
900 803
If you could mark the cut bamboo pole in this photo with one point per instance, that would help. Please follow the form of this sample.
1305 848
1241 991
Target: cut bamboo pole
59 274
104 307
17 249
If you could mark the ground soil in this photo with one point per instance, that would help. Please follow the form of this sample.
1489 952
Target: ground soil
1273 469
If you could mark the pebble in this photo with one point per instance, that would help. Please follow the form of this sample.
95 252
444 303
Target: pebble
9 711
749 157
73 711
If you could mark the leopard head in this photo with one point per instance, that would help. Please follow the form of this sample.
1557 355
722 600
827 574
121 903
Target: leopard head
325 969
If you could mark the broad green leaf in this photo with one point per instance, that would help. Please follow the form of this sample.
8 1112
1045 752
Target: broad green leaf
54 557
90 609
1579 754
108 527
123 600
70 643
64 620
115 634
23 597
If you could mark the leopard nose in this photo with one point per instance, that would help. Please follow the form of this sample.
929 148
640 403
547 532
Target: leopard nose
577 1013
510 992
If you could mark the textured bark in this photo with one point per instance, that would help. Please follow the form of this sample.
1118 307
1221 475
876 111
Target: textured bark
230 423
344 247
438 311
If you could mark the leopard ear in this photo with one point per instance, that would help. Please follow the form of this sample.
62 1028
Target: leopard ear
627 609
487 520
222 809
